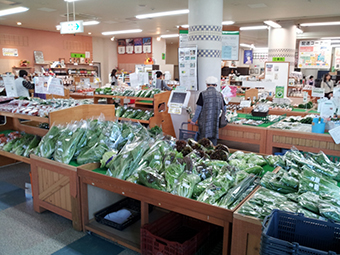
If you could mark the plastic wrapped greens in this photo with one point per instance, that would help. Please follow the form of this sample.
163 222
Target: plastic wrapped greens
31 146
273 181
152 179
272 160
234 193
186 183
309 201
108 157
330 211
92 155
47 146
201 186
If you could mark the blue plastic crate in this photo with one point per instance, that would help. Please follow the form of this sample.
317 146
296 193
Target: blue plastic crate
289 233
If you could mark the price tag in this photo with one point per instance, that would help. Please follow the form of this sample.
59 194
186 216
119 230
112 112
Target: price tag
305 96
327 109
335 134
245 103
318 92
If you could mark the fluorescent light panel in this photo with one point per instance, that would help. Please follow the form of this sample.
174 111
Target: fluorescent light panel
316 24
247 45
161 14
228 22
330 38
184 26
272 23
254 28
131 31
70 1
169 35
13 11
90 23
299 31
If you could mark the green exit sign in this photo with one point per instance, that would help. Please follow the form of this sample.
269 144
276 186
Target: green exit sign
77 55
279 59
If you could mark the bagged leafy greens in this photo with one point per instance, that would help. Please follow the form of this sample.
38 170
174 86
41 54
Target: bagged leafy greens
152 179
47 144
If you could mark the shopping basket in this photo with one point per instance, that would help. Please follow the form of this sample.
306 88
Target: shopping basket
286 233
185 134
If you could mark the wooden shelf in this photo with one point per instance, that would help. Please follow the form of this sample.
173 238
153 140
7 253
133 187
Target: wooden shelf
135 120
25 117
15 157
23 67
125 97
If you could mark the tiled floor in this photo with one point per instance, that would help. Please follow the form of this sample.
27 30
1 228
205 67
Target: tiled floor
25 232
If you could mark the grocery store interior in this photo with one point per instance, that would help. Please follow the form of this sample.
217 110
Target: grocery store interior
107 147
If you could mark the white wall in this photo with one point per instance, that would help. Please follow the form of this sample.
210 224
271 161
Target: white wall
159 47
105 52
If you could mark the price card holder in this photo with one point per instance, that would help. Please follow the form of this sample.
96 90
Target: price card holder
335 133
245 103
318 92
305 96
175 109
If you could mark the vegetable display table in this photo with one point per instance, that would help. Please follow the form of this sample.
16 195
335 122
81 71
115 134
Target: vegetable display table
202 211
158 104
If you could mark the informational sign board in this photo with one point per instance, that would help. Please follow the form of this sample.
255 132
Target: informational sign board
279 59
41 85
39 57
147 45
230 45
318 92
279 91
327 109
129 46
77 55
187 62
7 52
315 54
71 27
121 46
335 133
138 44
278 73
55 87
183 38
9 82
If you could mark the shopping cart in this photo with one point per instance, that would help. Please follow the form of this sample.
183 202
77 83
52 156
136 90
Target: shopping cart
185 134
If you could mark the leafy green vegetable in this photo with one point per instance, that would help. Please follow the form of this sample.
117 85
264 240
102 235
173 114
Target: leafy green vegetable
151 179
47 144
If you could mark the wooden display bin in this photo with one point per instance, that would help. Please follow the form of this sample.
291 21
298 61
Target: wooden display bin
192 208
56 188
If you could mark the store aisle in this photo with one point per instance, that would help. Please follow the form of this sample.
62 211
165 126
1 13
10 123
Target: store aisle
25 232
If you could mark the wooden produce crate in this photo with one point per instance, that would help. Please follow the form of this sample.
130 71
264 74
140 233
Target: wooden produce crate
246 233
56 188
189 207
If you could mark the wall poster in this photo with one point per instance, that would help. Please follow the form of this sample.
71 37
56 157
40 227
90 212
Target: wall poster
147 45
230 45
138 43
248 57
278 73
337 59
187 60
121 46
129 46
315 54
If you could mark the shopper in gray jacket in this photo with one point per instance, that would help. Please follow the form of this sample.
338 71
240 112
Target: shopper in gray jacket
160 84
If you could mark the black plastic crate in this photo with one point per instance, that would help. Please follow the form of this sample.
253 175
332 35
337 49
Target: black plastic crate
259 114
127 203
289 233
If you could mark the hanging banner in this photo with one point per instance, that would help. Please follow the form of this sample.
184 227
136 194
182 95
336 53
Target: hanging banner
121 46
129 46
187 60
248 57
9 82
138 44
230 45
315 54
147 45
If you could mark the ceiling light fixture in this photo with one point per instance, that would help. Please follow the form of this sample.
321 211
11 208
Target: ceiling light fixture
90 23
331 23
299 30
70 1
161 14
254 28
272 23
13 11
330 38
112 38
158 38
228 22
247 45
58 27
131 31
89 33
19 23
261 49
184 26
169 35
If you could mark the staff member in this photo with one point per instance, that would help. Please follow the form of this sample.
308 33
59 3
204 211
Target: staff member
160 84
113 77
328 85
23 84
311 81
209 106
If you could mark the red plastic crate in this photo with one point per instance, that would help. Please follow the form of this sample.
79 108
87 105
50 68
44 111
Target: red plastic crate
173 234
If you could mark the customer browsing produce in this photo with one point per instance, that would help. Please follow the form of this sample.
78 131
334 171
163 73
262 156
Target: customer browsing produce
160 83
209 106
23 84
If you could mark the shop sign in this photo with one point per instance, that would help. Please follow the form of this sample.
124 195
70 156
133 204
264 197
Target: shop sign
318 92
279 92
7 52
77 55
279 59
71 27
230 45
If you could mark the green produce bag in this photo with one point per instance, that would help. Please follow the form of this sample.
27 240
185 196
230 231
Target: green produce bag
47 144
309 201
150 178
186 183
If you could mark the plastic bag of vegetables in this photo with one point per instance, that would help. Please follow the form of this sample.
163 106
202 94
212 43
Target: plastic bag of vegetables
330 211
186 183
47 144
309 201
150 178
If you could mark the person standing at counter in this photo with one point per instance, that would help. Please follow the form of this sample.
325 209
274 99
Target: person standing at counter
328 85
209 107
311 81
160 83
23 84
113 76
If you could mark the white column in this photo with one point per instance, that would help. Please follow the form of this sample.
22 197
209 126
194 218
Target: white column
205 30
282 42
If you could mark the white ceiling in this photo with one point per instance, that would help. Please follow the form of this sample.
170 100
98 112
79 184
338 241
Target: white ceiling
119 15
